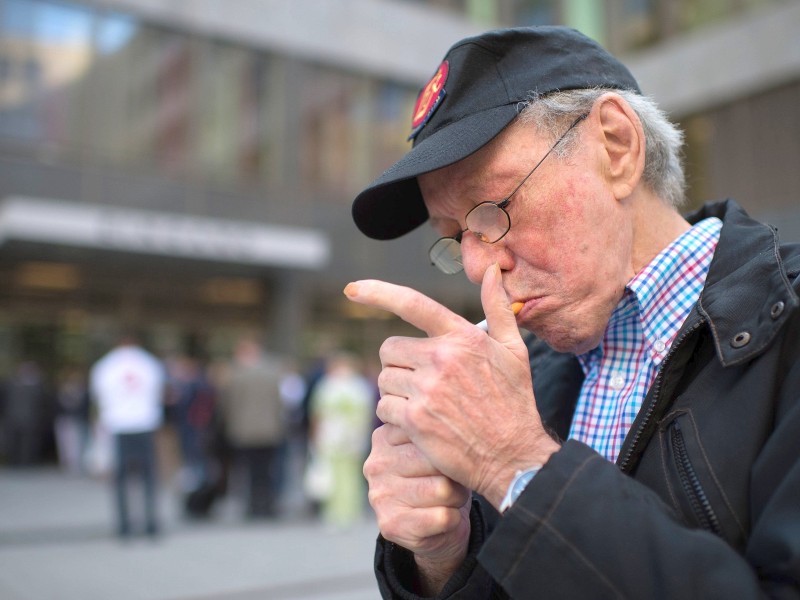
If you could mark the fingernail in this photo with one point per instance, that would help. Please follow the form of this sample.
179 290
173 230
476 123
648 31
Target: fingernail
351 289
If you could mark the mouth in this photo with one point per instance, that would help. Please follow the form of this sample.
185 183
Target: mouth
523 309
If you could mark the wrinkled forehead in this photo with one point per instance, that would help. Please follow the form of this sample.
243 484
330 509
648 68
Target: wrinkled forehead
487 174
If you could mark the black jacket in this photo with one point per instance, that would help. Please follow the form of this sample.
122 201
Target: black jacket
704 501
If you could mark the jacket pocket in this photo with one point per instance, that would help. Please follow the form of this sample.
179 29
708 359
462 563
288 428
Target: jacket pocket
690 487
696 484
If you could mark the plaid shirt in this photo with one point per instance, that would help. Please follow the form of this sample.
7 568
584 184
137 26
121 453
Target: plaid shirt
640 332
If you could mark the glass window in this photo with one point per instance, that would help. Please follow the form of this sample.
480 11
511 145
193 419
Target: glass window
249 128
47 50
638 24
218 88
173 103
107 89
115 33
537 12
351 127
392 124
275 114
118 93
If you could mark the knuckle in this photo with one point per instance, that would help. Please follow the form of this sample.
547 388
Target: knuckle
415 303
390 527
381 499
416 411
383 379
368 470
374 467
375 497
428 387
388 348
443 355
441 519
378 435
441 490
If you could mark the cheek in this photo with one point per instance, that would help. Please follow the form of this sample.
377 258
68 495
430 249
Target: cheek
585 221
572 250
566 228
552 237
555 210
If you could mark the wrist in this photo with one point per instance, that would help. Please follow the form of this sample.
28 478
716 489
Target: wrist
434 573
516 477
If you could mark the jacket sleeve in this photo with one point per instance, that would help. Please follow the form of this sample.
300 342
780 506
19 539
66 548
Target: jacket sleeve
396 572
583 529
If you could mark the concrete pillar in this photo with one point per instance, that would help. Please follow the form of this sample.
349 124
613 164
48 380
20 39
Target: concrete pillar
285 319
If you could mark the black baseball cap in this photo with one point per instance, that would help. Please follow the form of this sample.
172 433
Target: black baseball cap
474 94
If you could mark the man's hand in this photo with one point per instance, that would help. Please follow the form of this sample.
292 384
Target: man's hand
464 398
417 507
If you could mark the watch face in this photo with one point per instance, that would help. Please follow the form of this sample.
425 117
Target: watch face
517 486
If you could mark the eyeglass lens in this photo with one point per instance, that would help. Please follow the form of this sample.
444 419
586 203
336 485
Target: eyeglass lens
446 256
488 221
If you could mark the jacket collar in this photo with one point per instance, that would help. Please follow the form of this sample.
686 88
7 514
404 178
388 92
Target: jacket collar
747 296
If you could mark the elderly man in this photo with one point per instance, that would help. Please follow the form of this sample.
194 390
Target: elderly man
645 442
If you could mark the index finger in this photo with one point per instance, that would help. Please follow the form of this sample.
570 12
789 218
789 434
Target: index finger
414 307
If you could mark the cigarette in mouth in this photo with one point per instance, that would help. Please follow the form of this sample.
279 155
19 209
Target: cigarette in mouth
515 308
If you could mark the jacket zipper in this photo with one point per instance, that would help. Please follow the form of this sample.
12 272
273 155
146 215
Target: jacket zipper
624 461
701 507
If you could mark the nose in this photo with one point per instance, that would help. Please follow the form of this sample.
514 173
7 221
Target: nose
477 256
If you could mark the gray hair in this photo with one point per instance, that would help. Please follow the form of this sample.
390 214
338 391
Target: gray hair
663 166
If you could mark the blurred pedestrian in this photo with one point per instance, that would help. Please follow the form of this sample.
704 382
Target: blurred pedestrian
292 455
72 419
191 399
128 386
254 424
341 422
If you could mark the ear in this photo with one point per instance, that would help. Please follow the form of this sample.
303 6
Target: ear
623 144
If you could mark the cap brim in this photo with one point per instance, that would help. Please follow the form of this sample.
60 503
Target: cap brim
392 205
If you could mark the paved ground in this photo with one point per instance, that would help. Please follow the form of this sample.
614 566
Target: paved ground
56 544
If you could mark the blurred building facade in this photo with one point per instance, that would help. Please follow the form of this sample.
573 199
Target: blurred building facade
187 167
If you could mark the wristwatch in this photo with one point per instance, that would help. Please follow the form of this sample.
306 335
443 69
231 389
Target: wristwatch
517 486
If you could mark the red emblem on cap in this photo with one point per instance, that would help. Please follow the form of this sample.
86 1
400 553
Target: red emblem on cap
429 99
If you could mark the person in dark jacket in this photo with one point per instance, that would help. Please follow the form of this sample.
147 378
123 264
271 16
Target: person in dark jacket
643 441
254 422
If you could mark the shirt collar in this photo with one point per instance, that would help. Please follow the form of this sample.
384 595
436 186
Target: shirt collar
665 291
670 285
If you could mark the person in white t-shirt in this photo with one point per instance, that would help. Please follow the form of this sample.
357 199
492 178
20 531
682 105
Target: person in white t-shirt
127 386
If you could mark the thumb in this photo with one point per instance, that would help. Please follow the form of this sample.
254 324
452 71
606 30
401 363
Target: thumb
499 315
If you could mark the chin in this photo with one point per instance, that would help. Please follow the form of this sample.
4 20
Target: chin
569 341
